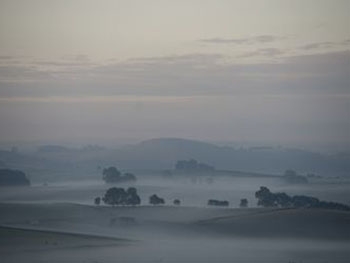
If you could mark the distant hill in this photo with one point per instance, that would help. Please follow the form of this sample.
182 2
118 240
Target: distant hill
164 152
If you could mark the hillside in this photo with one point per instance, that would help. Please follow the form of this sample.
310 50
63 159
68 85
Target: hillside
162 153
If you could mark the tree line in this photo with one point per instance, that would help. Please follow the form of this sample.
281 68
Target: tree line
129 197
268 199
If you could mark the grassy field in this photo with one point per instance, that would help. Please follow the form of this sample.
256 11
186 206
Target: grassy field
80 233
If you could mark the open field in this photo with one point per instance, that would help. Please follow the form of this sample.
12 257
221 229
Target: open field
58 223
80 233
192 191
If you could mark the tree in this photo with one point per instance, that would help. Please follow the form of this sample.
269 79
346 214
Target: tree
265 197
132 196
177 202
283 200
243 203
97 200
304 201
111 175
268 199
156 200
118 196
114 196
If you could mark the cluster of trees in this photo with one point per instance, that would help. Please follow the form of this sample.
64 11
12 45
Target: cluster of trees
10 177
193 166
156 200
268 199
120 196
113 175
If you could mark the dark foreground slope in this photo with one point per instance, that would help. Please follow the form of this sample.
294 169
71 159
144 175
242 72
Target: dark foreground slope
129 221
76 233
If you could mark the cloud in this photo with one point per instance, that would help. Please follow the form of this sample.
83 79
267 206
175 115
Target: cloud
325 45
246 40
59 65
195 58
265 52
318 45
102 99
185 75
305 95
5 57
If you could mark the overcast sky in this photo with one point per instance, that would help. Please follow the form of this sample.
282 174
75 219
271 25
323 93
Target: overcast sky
262 71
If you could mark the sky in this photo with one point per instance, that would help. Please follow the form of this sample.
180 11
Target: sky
267 71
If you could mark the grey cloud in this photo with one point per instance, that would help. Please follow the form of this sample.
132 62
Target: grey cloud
266 52
79 60
76 58
6 57
196 58
21 73
318 45
246 40
62 63
325 45
188 75
13 60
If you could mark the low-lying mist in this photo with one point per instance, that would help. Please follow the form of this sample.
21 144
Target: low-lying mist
190 190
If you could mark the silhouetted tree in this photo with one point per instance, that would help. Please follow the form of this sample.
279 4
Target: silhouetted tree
265 197
132 196
118 196
156 200
304 201
114 196
268 199
111 175
177 202
97 200
282 200
243 203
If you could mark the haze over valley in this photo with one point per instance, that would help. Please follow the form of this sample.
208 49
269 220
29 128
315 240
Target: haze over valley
175 131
